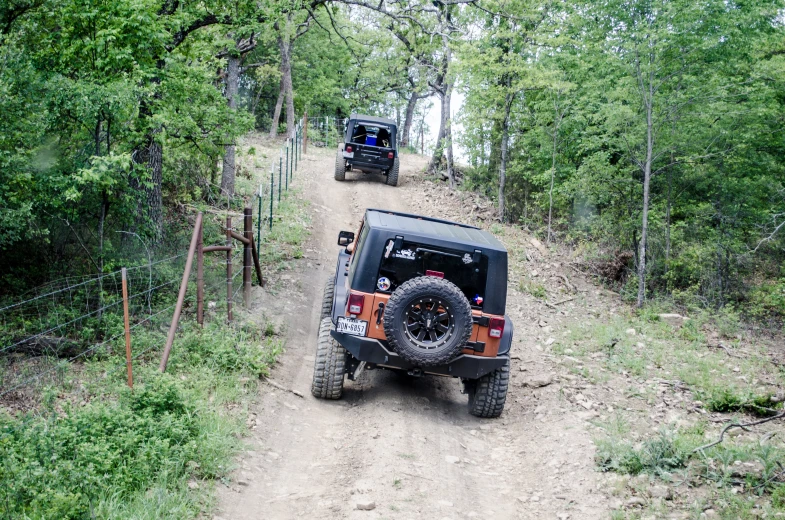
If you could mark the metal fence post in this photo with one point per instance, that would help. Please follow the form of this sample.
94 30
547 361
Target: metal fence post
200 276
229 269
127 325
272 193
287 157
279 184
248 234
305 132
259 222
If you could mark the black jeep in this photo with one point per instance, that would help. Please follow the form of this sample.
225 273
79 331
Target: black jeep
422 296
369 146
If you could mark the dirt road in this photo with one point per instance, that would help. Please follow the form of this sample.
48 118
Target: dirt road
409 449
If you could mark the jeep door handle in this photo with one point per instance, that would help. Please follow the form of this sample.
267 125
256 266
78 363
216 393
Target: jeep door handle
379 313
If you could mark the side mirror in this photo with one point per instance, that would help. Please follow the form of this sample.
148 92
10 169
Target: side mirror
345 238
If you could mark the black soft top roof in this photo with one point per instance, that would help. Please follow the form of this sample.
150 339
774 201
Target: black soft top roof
373 119
439 229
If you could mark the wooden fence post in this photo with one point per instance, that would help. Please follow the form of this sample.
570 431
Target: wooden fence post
126 322
181 296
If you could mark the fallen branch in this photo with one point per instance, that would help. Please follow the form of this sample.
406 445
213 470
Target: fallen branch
416 476
743 426
728 352
772 478
567 283
553 305
283 388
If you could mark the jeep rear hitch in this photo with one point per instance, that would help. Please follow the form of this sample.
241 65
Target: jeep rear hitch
415 372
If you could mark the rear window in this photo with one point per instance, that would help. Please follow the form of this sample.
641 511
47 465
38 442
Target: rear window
372 134
356 253
413 260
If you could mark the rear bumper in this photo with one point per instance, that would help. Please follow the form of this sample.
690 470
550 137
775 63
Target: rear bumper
361 163
375 352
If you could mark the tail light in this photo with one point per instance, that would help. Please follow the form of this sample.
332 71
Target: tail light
437 274
356 302
390 155
348 149
496 327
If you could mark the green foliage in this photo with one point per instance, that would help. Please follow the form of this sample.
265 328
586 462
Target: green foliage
658 455
106 455
576 75
58 467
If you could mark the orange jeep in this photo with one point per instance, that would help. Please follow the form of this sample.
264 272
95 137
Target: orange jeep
420 295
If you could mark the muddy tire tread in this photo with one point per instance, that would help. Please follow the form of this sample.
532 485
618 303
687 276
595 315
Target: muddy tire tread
490 393
340 167
392 175
330 364
327 299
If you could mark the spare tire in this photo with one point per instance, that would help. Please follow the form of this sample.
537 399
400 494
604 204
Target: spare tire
428 321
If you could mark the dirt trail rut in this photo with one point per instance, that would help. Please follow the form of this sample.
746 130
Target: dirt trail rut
408 446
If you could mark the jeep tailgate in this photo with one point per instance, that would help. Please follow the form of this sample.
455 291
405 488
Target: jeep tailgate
370 155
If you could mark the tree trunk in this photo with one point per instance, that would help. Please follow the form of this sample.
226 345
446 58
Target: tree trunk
443 86
668 219
649 101
448 139
407 122
503 162
229 166
438 151
286 68
278 106
557 116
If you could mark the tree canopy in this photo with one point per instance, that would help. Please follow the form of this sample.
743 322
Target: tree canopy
646 132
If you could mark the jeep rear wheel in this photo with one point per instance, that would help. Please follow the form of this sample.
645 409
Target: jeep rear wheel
392 175
488 394
330 365
340 167
428 321
327 299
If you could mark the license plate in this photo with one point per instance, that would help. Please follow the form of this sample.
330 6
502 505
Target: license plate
352 326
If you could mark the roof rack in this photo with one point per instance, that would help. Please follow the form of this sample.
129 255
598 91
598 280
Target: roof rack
372 119
421 217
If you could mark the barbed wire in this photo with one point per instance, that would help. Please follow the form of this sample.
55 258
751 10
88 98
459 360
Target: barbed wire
63 301
93 348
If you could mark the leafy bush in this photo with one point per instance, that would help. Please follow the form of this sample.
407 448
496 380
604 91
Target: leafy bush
66 466
767 300
659 455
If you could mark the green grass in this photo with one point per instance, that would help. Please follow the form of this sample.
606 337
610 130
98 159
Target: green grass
744 382
92 448
115 453
533 288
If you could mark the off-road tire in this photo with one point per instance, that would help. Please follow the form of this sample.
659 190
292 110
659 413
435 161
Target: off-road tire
488 393
327 299
330 365
340 167
392 175
455 304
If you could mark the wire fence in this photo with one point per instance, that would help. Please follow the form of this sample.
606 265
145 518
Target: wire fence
46 335
269 195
